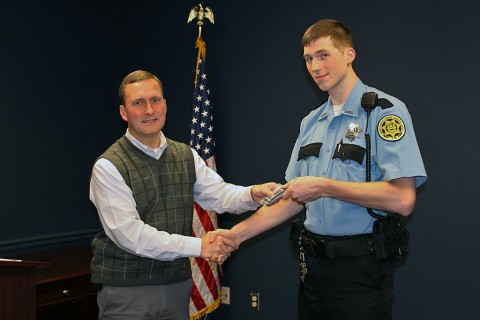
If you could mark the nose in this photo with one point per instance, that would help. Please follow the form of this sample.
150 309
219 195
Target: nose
148 108
316 65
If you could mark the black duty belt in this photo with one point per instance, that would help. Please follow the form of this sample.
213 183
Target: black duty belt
337 246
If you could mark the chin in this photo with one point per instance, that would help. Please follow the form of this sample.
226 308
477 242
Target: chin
323 87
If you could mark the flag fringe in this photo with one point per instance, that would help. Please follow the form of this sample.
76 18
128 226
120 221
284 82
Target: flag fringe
206 310
202 51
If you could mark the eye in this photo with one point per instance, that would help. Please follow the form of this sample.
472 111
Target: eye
323 56
308 59
138 103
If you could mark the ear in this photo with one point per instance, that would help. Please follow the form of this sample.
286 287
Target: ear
350 54
123 112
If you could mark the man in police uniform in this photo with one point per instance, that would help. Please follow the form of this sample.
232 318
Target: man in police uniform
343 275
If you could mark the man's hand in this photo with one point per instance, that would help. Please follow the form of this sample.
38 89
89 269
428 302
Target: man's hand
261 191
303 189
218 245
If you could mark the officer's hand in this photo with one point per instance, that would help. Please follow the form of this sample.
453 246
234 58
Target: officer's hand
303 189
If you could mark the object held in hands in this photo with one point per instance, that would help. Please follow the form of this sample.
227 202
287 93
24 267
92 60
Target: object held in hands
274 198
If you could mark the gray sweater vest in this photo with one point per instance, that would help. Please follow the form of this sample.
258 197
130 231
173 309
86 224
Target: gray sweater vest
163 191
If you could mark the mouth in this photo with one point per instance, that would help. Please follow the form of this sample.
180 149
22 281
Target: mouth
149 120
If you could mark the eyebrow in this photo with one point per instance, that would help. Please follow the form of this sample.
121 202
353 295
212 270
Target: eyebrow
315 53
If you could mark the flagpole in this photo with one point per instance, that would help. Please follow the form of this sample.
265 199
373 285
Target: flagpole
206 276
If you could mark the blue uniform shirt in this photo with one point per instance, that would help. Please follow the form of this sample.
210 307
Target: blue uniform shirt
394 154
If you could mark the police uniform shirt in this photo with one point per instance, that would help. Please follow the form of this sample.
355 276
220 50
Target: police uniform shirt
334 148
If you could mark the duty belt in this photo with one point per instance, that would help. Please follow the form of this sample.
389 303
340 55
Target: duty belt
337 246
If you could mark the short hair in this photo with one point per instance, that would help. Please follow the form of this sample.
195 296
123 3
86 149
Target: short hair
338 33
133 77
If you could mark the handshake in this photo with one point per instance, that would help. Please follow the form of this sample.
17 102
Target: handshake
219 244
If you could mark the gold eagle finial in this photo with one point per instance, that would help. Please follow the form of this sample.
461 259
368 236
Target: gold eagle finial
199 13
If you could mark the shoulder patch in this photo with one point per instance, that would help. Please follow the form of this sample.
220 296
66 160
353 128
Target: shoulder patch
391 128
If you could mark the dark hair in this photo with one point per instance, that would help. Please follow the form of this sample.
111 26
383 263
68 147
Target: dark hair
133 77
338 33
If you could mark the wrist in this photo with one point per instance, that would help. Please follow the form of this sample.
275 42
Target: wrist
236 229
252 194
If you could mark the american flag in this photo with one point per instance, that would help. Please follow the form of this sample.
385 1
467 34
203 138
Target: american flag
206 275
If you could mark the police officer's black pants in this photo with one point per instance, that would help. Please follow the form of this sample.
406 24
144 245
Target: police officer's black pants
348 288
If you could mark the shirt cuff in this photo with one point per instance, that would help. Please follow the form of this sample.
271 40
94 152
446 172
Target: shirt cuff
193 247
253 205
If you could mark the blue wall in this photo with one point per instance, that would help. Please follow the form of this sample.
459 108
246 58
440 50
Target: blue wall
62 62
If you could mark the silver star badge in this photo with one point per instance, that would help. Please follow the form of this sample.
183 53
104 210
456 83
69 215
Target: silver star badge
352 131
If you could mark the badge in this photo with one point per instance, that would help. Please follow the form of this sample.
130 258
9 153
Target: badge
352 131
391 128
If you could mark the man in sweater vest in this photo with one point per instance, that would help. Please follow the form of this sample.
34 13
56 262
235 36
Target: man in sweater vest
144 187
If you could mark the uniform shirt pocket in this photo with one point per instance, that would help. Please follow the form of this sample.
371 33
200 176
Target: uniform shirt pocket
312 149
349 152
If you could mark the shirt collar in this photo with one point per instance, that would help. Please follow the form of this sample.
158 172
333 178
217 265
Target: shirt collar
155 153
352 106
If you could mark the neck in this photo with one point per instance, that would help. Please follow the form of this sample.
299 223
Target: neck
150 141
152 144
340 93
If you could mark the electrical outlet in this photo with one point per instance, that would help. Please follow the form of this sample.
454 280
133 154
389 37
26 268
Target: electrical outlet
255 301
225 294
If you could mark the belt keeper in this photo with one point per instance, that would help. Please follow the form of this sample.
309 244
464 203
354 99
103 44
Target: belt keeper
310 247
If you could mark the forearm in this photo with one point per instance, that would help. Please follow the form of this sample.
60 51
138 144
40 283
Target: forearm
212 193
266 218
227 197
396 196
146 241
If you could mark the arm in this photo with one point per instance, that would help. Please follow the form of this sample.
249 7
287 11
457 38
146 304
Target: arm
117 212
396 196
266 218
211 192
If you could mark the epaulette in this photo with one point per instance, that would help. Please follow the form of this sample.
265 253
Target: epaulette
384 103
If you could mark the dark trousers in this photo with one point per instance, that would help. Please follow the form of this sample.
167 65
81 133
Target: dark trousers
156 302
351 288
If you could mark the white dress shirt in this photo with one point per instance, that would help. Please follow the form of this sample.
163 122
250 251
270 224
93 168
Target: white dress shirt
119 217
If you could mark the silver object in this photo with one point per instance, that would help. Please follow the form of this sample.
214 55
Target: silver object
274 198
352 131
